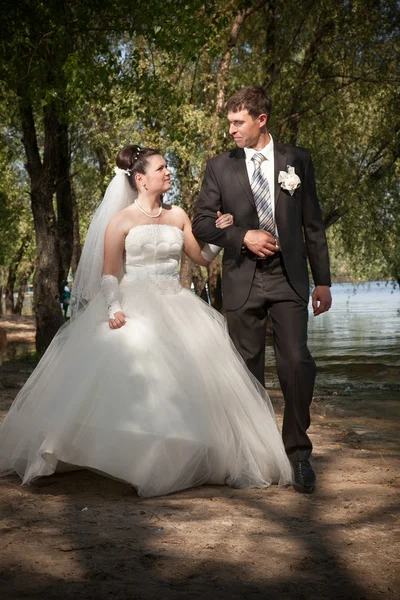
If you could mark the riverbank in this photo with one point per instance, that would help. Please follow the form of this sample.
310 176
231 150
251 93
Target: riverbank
80 535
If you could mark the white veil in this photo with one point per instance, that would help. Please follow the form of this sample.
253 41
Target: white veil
119 195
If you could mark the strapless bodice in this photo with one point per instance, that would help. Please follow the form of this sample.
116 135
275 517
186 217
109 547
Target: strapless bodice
153 253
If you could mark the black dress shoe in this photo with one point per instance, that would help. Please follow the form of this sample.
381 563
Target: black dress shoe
304 477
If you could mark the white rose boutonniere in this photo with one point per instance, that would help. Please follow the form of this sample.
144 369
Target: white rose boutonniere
289 180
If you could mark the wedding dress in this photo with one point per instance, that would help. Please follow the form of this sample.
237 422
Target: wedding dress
164 403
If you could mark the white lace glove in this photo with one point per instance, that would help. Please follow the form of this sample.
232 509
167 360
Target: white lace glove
110 287
210 251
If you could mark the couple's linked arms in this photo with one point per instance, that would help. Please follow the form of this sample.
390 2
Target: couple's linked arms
260 242
200 252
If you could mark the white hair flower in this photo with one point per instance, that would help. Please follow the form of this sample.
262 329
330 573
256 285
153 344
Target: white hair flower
119 171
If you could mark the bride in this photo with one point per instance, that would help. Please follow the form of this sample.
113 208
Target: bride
156 394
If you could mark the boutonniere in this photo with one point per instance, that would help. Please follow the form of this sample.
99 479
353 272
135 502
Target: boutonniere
289 180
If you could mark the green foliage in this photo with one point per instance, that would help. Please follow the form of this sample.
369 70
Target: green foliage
15 215
332 70
149 73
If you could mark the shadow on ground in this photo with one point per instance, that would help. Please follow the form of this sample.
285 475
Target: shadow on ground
80 535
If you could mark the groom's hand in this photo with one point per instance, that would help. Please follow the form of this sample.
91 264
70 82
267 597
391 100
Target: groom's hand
261 242
321 299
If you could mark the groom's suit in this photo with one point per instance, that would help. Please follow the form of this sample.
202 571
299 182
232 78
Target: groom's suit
278 285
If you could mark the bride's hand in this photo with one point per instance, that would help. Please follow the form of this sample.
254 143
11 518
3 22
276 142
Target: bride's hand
118 320
224 220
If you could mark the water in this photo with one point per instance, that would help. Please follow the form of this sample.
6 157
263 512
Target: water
357 343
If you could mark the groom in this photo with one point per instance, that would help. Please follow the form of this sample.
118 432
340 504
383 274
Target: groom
269 188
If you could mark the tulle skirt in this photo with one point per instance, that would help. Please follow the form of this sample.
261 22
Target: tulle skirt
164 403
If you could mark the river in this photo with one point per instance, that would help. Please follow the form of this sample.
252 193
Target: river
357 343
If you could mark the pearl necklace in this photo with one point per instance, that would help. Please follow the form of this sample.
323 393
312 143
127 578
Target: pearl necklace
146 213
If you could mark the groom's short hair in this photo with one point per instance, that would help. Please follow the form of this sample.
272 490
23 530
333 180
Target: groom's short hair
254 99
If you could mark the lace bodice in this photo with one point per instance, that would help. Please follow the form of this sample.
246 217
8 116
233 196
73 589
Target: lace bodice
152 257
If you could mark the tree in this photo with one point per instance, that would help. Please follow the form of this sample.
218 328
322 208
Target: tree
53 55
40 45
16 227
82 79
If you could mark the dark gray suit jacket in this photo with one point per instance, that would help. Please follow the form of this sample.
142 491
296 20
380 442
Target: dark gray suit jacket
301 229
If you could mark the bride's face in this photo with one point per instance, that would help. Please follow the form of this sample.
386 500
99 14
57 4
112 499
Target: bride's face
157 178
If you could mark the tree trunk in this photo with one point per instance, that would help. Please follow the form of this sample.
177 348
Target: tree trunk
1 299
231 44
102 159
46 293
101 125
214 283
22 282
47 307
76 248
271 69
65 220
9 298
199 283
12 275
191 273
20 299
186 271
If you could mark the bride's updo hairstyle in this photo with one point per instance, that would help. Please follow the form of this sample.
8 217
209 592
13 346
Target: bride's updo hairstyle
134 159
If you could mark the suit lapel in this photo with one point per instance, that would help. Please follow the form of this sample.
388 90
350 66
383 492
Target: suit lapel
280 159
239 166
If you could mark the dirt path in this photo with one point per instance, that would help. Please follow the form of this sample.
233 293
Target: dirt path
81 536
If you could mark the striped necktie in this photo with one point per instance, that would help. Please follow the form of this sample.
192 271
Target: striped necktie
262 195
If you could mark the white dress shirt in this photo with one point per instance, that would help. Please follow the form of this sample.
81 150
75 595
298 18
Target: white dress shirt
267 168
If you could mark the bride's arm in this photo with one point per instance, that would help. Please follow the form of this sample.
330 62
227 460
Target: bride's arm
114 242
199 253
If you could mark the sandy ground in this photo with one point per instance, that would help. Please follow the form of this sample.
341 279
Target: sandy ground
82 536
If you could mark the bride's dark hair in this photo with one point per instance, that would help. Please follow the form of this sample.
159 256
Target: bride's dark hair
134 159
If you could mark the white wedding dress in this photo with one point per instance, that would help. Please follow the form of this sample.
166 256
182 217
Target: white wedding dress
163 403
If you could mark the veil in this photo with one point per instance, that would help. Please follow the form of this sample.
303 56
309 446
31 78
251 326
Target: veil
119 195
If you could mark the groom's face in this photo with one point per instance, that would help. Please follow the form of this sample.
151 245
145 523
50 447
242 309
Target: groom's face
245 129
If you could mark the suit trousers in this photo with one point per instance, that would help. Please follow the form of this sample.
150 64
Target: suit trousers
271 293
